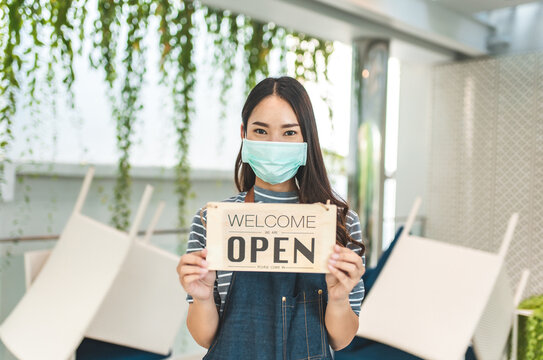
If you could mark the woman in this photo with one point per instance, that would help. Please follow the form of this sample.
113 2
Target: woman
261 315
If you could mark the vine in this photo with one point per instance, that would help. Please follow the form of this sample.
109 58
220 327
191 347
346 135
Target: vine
256 50
223 27
105 33
183 88
259 39
48 24
119 52
325 49
11 20
63 16
125 111
308 52
178 69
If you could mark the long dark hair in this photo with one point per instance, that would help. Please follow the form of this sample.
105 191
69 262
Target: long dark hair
312 178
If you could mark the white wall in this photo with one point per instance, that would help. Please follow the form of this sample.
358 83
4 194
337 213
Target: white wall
486 159
413 140
414 126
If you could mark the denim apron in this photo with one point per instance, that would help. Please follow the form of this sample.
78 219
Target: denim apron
275 316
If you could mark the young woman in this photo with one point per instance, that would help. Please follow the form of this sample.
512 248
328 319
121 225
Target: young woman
262 315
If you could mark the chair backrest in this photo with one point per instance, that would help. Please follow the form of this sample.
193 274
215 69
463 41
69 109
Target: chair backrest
492 333
50 320
494 326
145 306
430 295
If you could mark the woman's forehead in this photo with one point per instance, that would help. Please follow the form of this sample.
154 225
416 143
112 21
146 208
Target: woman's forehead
273 111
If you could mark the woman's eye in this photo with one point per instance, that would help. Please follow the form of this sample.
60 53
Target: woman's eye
290 132
258 131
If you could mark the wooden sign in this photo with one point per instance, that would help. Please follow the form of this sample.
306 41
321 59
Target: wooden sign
270 236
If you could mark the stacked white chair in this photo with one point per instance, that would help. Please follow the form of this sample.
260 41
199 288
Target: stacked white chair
433 298
146 304
100 283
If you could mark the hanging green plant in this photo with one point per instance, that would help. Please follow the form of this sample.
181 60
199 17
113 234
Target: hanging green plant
530 338
223 27
258 40
126 106
64 16
106 30
183 105
105 35
257 48
11 22
324 49
20 60
309 52
178 69
126 112
53 25
279 42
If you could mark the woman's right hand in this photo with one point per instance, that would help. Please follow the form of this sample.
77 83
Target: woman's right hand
195 277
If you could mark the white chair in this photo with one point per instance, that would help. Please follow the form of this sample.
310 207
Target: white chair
432 298
494 327
87 283
51 318
146 305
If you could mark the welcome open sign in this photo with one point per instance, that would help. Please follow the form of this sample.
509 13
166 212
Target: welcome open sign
270 236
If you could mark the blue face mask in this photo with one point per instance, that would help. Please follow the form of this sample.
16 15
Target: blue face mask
274 161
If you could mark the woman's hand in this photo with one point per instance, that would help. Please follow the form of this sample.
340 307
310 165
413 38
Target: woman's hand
198 281
346 269
194 275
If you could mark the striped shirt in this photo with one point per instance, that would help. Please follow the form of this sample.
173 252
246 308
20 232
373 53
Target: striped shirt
197 241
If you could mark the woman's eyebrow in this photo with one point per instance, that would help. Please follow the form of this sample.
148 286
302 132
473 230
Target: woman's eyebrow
266 125
289 125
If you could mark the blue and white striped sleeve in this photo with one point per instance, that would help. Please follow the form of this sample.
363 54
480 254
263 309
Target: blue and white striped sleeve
197 242
353 227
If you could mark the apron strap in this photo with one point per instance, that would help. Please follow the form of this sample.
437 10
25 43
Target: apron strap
250 196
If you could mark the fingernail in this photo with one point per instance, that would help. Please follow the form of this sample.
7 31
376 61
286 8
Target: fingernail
203 271
332 261
336 247
330 267
204 263
335 256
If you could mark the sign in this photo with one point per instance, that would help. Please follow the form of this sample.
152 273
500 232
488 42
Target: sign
270 236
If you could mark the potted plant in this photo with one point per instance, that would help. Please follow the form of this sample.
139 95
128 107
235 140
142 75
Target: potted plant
530 334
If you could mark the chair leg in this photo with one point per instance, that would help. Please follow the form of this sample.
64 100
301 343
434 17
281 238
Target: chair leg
514 337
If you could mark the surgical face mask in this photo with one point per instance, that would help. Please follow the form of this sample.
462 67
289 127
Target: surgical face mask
274 161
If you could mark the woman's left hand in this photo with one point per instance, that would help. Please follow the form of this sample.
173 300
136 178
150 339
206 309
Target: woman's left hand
346 269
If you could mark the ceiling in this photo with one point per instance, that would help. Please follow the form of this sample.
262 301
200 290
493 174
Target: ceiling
474 6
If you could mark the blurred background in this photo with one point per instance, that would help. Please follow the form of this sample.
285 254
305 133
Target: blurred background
441 99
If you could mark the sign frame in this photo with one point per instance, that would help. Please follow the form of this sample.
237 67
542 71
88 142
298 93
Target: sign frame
270 237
